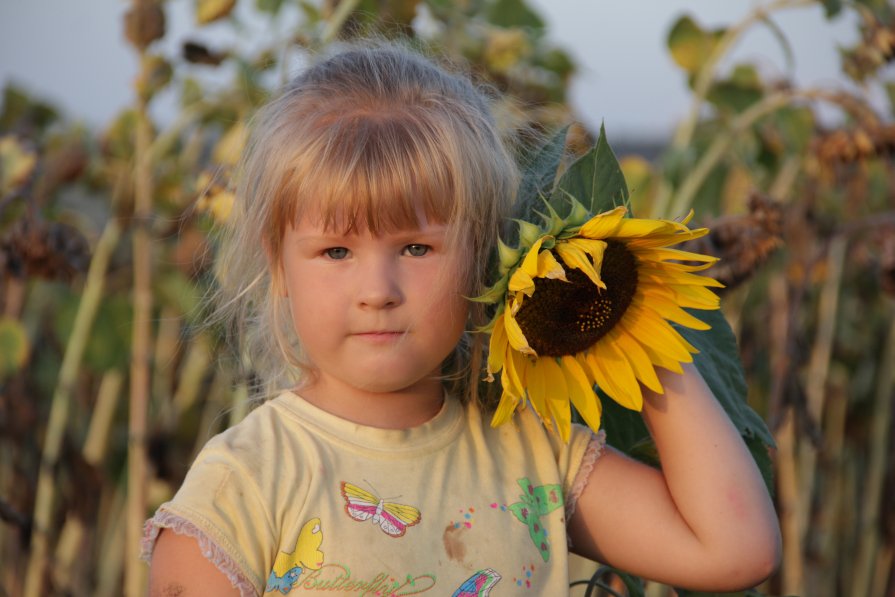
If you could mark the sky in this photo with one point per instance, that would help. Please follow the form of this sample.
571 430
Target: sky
72 53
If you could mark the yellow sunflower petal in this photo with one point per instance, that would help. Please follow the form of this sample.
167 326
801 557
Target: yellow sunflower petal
582 393
668 275
603 225
585 366
604 377
662 328
522 279
667 240
670 311
536 384
510 378
530 263
694 297
618 367
576 258
496 346
549 267
664 254
635 228
637 357
505 409
514 334
651 330
557 394
660 360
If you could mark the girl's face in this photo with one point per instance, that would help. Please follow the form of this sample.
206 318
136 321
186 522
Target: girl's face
376 315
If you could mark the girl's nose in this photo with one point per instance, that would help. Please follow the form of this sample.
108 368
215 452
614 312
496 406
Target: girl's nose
379 286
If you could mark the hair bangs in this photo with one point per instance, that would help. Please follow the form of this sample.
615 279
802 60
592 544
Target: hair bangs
374 171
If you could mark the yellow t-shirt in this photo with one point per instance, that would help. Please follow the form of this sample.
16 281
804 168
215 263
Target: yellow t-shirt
294 500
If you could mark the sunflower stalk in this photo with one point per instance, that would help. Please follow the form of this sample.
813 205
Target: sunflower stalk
141 347
682 199
703 82
167 349
869 534
785 436
828 533
337 20
95 446
818 370
684 133
59 407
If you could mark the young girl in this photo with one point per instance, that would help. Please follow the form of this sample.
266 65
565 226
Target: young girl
370 196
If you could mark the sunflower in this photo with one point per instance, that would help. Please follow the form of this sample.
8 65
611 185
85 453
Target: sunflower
589 303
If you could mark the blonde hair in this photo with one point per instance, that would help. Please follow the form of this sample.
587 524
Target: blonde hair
368 139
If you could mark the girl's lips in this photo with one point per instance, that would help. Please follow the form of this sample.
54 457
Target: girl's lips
379 336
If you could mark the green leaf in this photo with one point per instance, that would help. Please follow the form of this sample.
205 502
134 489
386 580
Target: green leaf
890 94
557 61
21 111
832 7
690 45
310 10
108 346
539 173
191 92
269 6
14 346
796 125
742 89
595 179
175 289
719 363
515 13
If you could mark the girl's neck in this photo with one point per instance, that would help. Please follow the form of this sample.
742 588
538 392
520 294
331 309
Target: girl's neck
402 409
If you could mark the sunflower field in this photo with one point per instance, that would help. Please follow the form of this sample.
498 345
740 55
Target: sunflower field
109 384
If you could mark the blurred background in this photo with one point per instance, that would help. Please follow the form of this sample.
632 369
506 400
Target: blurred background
121 121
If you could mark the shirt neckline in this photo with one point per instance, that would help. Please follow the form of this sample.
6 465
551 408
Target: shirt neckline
431 435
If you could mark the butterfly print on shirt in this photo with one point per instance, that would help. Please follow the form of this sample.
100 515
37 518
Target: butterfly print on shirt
392 518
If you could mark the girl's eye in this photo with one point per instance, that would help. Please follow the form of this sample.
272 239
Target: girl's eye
416 250
336 253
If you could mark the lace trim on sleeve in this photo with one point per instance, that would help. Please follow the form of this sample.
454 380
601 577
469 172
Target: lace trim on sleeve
209 548
591 454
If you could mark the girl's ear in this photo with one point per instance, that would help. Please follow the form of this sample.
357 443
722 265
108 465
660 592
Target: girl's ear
276 271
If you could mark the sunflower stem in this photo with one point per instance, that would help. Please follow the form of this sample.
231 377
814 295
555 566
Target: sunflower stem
706 75
880 427
785 437
59 406
818 371
141 348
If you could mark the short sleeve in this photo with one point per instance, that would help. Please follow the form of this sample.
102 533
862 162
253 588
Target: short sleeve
219 504
576 460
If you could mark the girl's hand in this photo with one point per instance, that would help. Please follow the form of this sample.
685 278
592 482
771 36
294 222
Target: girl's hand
704 522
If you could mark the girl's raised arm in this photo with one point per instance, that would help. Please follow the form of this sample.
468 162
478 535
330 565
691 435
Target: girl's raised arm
704 522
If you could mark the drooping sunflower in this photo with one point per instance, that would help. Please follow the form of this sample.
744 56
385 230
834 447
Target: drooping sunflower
588 300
